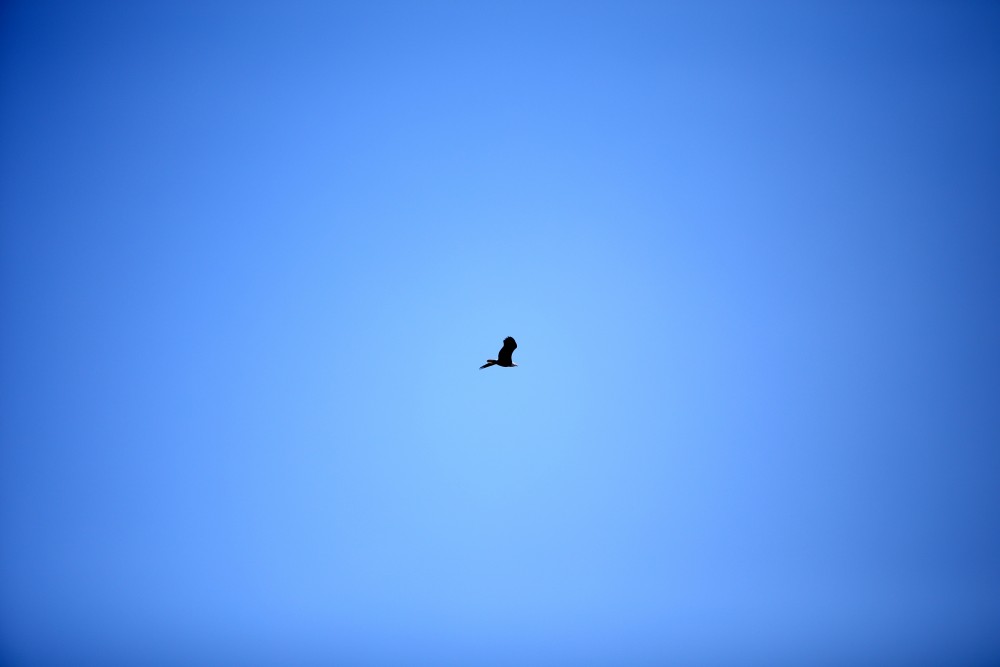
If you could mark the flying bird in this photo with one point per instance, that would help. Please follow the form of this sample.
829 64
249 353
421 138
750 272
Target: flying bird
503 357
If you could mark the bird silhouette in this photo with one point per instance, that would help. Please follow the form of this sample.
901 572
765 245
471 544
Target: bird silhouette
503 357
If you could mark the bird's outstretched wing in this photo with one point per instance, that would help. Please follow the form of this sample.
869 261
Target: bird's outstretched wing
503 357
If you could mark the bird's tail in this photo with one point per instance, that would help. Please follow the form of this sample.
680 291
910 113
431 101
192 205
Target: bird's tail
489 362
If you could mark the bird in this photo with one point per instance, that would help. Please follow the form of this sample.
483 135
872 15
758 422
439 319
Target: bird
503 357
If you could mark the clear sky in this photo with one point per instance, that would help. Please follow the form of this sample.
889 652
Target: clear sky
253 254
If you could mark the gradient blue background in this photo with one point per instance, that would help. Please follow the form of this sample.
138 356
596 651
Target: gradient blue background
253 254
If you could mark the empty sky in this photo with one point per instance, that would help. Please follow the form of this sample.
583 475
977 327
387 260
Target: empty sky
252 255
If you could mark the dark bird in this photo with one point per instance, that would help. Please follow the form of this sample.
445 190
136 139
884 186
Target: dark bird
503 357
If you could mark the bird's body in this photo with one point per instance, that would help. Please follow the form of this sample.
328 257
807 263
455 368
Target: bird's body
504 356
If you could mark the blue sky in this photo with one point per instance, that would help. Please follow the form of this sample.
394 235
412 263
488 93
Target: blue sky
252 255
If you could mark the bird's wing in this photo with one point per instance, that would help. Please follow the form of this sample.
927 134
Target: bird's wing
509 345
